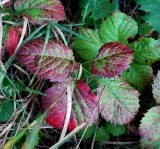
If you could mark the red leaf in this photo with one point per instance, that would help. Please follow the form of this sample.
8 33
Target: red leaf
13 39
83 105
55 63
112 59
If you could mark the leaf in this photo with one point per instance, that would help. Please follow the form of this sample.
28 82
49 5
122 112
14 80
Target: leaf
138 76
146 51
102 134
150 125
56 63
115 130
6 109
118 101
156 88
144 29
83 105
112 59
37 10
12 40
149 144
152 16
88 49
118 27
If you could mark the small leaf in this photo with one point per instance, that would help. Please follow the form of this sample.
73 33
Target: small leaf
88 49
115 130
118 101
150 125
156 88
118 27
56 63
146 51
102 134
83 106
6 110
36 10
112 59
150 144
144 29
138 76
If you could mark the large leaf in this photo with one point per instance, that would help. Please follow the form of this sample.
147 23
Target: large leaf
112 59
146 51
118 101
118 27
36 10
83 105
56 62
138 76
150 125
156 88
153 9
88 49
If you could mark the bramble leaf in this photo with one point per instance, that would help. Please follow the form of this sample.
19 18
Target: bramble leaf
156 88
118 101
152 8
56 63
88 49
150 125
149 144
138 76
146 51
112 59
118 27
102 134
83 105
37 10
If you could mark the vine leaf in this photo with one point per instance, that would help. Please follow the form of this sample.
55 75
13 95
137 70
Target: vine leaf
146 51
150 125
118 27
138 76
118 101
12 39
88 49
55 63
156 88
112 59
37 10
83 105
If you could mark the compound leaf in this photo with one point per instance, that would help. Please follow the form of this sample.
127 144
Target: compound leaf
112 59
118 101
118 27
55 63
37 10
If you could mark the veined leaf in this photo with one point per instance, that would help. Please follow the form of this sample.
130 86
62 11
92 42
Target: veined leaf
83 105
88 49
152 8
146 51
150 125
118 101
112 59
156 88
56 63
138 76
102 134
36 10
150 144
118 27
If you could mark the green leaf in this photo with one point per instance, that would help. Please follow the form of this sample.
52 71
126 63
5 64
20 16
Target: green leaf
115 130
146 51
6 109
118 27
102 134
152 16
138 76
89 132
149 144
88 49
145 29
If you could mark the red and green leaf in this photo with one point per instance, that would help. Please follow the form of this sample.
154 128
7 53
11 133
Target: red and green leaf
36 10
112 59
55 63
83 105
